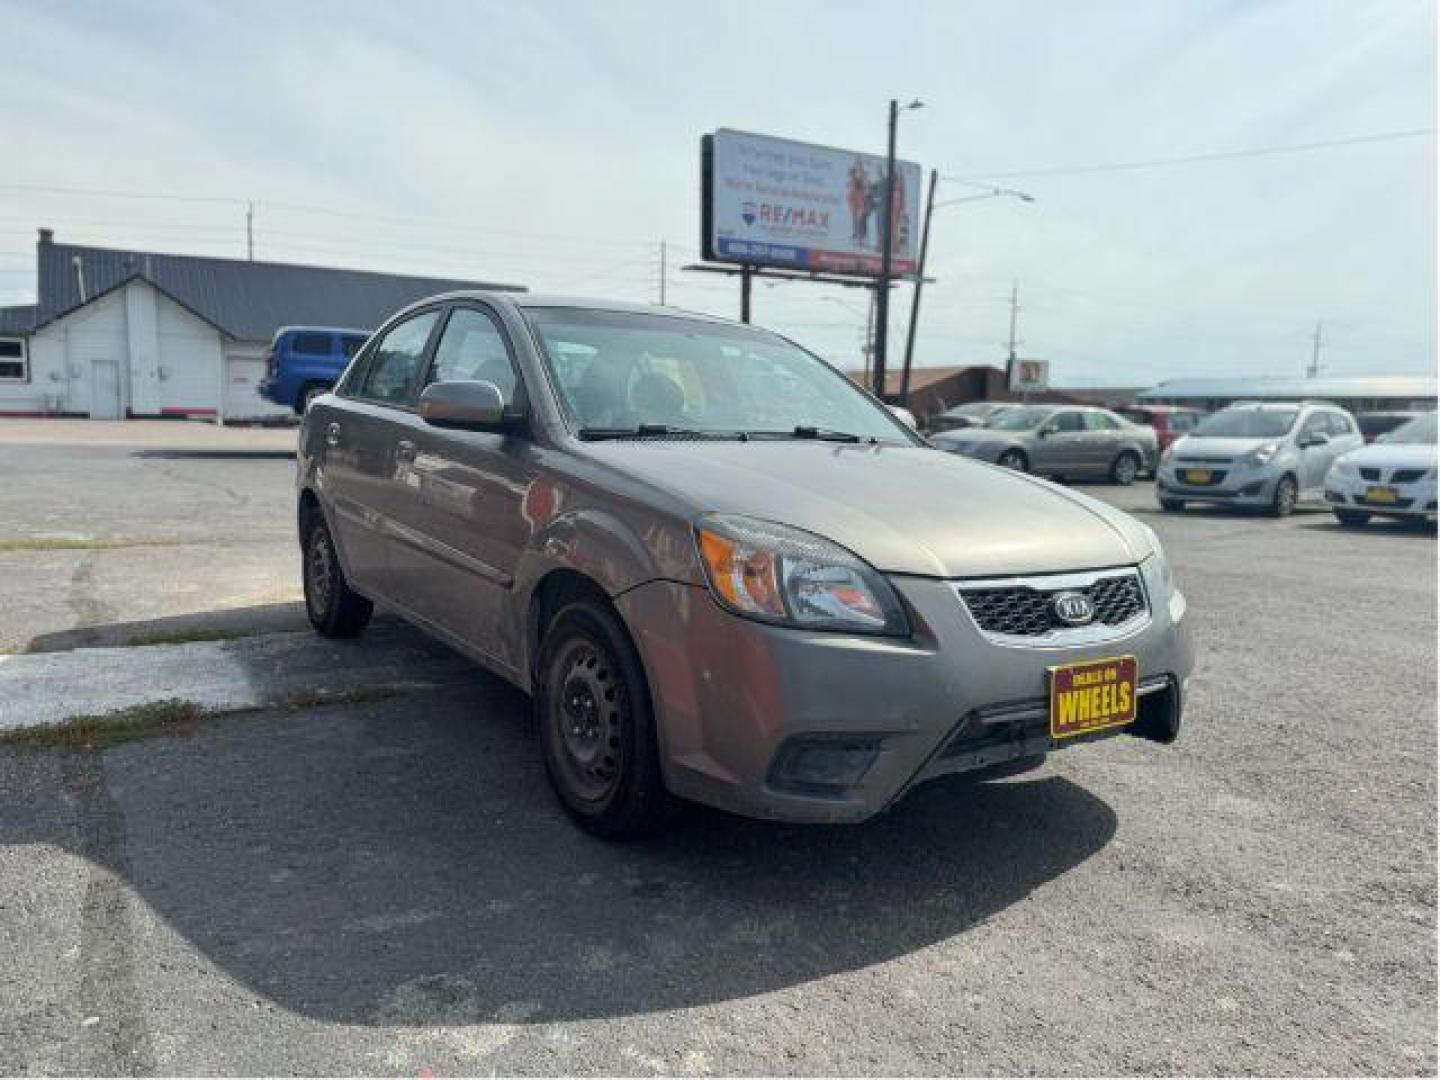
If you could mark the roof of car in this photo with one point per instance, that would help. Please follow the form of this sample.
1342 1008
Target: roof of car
534 300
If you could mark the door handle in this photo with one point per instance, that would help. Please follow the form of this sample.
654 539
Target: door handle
405 451
332 435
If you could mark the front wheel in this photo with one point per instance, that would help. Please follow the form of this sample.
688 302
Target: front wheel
597 728
1287 494
1352 519
1014 459
1125 469
335 610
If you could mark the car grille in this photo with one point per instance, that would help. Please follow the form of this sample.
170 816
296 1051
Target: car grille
1197 459
1407 476
1025 611
1369 474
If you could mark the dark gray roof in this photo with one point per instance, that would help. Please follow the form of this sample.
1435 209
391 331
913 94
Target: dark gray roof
247 300
1296 388
18 319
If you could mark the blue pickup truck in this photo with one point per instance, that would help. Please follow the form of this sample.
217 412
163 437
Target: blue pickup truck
304 362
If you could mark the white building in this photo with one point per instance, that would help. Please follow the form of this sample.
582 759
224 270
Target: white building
118 334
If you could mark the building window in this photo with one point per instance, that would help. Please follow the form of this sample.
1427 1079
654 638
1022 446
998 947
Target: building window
12 359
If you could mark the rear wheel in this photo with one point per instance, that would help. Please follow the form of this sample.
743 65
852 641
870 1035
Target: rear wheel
1172 506
1352 518
1014 459
1287 493
335 610
1125 468
597 728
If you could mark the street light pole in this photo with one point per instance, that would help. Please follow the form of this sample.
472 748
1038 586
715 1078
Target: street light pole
882 286
915 298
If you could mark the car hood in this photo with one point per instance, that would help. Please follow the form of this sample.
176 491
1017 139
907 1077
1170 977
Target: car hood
1393 455
1214 446
904 510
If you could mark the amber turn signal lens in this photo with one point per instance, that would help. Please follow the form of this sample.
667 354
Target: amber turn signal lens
745 577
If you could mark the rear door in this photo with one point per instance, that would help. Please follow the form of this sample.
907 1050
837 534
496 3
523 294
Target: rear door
361 432
464 497
1106 437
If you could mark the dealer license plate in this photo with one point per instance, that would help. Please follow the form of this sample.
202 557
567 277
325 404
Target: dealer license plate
1093 696
1198 476
1381 495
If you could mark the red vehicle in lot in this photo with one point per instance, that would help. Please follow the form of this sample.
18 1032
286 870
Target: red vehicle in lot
1169 421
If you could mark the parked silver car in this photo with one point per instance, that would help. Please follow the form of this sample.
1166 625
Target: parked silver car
1392 477
1267 455
721 570
1061 441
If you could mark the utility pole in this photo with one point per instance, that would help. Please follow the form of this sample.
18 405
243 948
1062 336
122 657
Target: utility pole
882 287
867 347
250 231
915 299
1014 317
1314 369
662 273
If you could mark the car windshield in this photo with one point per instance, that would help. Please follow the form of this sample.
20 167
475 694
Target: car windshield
1019 419
1247 423
1421 430
621 373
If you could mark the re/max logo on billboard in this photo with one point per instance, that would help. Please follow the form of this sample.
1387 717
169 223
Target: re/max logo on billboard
793 217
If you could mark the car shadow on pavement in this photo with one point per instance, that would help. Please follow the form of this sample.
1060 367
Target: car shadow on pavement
402 862
1388 527
216 455
210 624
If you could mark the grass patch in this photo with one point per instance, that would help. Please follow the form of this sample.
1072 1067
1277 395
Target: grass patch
70 543
97 731
189 637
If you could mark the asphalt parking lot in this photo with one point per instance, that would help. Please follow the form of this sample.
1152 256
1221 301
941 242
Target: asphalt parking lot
383 884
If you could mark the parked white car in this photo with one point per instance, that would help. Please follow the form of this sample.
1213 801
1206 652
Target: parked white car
1393 476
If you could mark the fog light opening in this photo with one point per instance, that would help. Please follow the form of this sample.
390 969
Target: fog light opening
823 766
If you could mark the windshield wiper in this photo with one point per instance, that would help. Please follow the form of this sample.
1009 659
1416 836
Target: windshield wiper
809 431
648 431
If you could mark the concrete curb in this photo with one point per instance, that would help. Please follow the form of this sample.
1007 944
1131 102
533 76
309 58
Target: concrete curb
269 669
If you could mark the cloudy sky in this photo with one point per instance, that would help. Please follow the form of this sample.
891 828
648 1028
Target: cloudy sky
556 144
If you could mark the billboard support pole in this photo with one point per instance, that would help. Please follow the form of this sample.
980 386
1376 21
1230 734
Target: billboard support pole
915 299
882 287
745 276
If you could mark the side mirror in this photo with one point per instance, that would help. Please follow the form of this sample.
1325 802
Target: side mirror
1046 431
905 416
469 406
1315 438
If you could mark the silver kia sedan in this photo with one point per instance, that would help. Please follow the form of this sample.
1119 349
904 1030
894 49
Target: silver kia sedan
721 570
1060 441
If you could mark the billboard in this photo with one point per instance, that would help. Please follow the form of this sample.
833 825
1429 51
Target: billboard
774 202
1030 375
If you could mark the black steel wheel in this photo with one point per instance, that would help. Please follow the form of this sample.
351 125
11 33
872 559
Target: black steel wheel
1014 459
597 728
335 610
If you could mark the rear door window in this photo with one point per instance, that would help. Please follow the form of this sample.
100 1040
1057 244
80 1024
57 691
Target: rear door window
1068 421
1098 421
395 364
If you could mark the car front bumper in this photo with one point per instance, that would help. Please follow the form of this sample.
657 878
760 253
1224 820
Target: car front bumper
1351 492
734 698
1237 486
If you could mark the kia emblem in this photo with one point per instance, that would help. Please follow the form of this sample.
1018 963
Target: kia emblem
1073 608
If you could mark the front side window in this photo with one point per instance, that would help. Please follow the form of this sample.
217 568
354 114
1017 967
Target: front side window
620 372
1068 422
311 344
12 359
472 349
395 364
1247 424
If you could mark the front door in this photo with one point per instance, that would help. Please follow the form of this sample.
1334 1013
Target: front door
464 497
1315 460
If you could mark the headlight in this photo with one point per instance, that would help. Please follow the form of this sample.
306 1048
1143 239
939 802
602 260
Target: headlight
1157 564
1261 454
777 574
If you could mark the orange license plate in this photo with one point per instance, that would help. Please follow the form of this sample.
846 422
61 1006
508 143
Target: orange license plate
1093 696
1381 495
1198 476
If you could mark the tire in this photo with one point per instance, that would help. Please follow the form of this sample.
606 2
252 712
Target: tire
308 393
1287 494
1125 468
1172 506
1014 459
597 726
335 610
1352 519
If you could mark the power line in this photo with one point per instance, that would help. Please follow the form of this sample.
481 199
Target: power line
1223 155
